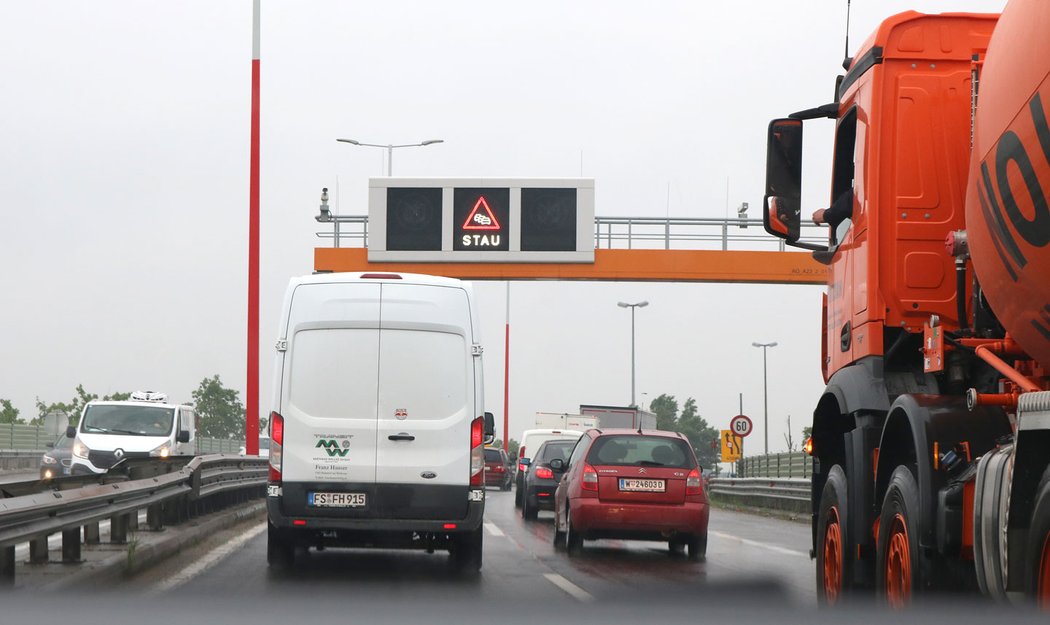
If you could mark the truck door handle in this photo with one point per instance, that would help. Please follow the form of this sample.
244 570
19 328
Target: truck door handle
401 437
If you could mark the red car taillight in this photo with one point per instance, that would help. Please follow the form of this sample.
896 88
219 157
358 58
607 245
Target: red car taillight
477 451
693 484
544 473
590 478
276 446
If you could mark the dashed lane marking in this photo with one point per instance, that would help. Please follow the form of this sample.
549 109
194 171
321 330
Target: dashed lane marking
209 560
755 543
575 591
492 529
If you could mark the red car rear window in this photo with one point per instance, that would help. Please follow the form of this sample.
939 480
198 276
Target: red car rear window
643 451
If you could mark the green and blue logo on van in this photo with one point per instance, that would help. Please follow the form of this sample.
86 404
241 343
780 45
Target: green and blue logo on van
331 447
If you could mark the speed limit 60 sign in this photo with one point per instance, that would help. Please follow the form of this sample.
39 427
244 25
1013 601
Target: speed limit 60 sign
741 425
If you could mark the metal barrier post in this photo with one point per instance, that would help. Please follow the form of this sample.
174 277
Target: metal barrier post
38 550
153 518
118 529
133 521
7 566
91 534
71 546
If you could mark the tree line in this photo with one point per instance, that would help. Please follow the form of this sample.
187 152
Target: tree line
702 437
219 409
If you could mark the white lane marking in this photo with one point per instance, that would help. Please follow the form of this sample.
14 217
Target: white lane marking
755 543
495 531
210 559
577 593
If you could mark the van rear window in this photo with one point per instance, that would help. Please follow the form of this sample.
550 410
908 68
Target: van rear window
642 451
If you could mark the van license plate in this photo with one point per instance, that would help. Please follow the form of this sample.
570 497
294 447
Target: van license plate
336 500
644 486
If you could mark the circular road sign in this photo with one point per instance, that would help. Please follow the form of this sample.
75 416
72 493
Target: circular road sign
741 425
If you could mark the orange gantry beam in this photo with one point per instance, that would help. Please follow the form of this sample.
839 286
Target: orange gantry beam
609 265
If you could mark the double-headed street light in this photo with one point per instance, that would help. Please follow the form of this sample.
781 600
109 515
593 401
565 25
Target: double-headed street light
642 304
389 147
765 392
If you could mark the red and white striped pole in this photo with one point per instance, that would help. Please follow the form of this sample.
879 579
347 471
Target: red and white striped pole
251 430
506 377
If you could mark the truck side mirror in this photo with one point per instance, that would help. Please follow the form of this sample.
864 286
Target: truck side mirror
783 198
182 437
71 432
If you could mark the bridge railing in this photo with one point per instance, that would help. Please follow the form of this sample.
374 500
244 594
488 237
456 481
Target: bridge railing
682 233
784 465
25 437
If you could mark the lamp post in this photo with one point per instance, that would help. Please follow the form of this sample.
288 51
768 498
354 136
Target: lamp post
642 304
765 392
389 147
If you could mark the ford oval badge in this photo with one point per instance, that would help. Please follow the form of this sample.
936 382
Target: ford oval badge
428 475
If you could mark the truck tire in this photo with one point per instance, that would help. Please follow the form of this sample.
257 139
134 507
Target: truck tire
466 551
900 568
1038 583
280 550
834 565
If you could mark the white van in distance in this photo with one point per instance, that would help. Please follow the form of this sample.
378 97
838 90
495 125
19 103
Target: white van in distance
378 423
146 426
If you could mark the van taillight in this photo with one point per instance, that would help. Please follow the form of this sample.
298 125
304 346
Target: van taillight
693 484
590 478
477 451
381 276
276 446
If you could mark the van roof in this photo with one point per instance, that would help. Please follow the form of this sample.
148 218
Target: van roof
377 276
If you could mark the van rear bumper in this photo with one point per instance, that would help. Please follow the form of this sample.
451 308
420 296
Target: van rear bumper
315 522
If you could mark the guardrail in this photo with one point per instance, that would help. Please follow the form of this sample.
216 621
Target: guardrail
790 464
791 495
629 233
170 492
25 437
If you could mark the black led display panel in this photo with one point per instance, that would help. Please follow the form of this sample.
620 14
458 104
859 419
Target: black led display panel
548 220
413 218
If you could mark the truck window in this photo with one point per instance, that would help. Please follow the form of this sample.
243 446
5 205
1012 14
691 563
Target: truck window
843 167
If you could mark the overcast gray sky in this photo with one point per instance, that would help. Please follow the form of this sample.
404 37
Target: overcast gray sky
124 152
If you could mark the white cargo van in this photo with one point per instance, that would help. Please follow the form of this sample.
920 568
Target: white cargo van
146 426
530 442
378 423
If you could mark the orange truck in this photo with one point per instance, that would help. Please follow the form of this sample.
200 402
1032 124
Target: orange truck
932 436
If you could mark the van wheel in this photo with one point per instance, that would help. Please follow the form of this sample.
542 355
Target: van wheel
280 551
573 539
466 551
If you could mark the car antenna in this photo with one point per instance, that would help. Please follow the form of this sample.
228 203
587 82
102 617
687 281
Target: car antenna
846 60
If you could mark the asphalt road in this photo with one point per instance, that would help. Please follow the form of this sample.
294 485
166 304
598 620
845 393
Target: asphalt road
750 559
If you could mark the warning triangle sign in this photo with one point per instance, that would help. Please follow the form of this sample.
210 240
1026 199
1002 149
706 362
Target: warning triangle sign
481 217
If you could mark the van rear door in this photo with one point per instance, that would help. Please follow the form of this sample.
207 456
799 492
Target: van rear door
426 401
330 386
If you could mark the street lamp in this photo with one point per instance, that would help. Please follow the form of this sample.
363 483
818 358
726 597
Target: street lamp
642 304
765 392
389 147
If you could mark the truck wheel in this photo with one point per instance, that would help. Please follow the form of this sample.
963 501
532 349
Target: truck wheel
466 551
1038 585
834 570
280 551
899 570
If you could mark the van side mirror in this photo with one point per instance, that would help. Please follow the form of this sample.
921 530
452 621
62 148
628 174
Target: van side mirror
50 445
490 427
182 437
781 216
71 432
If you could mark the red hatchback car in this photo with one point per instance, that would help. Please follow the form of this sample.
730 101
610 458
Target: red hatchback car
635 485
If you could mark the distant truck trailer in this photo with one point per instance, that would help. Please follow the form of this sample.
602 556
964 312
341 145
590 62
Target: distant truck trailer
565 421
620 417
